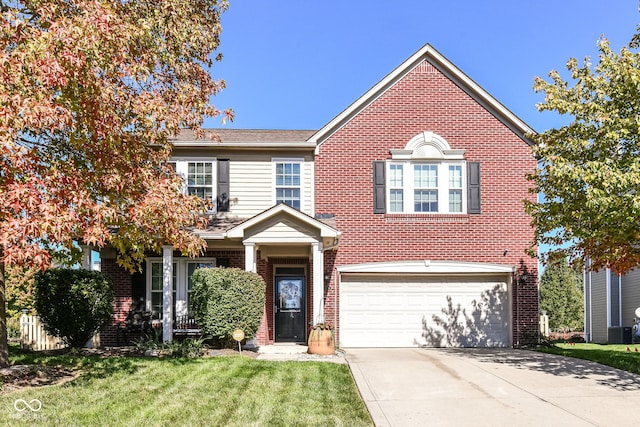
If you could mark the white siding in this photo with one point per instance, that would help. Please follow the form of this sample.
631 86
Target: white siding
251 186
251 175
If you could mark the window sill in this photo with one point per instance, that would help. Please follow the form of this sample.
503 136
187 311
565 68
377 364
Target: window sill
428 218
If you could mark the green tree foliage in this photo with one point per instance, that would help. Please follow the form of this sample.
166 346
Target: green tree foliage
590 168
561 295
223 299
73 304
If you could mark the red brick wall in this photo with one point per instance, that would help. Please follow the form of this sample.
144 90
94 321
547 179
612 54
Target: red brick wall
122 286
236 258
426 100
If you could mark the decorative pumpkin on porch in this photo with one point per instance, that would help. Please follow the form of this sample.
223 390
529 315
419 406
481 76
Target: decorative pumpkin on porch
322 339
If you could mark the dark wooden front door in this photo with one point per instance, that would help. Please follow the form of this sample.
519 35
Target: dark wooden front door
290 308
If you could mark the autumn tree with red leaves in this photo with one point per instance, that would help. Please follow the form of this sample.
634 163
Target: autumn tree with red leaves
91 94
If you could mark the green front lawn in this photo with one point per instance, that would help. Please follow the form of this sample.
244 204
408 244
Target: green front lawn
219 391
615 355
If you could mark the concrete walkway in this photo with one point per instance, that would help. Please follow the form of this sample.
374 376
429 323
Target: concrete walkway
491 387
296 352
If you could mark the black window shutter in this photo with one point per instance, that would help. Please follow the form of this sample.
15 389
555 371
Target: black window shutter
379 202
223 186
473 180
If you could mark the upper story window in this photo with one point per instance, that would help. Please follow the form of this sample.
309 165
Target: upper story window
419 187
426 177
200 179
455 188
207 179
288 181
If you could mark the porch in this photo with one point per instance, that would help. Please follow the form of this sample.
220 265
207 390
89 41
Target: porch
286 247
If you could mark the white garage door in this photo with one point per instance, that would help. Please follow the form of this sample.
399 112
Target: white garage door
433 311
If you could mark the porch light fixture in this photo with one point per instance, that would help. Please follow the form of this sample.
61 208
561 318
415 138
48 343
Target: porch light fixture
524 277
327 281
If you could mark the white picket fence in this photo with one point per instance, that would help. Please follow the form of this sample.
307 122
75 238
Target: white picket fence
34 337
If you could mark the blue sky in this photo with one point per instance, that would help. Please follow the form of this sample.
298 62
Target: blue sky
297 64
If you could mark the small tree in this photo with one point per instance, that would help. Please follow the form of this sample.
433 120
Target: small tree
561 296
223 299
590 168
73 304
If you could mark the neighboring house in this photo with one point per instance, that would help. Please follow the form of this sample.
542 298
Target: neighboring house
401 221
610 304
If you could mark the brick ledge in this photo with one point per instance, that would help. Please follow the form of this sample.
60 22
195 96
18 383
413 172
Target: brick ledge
427 218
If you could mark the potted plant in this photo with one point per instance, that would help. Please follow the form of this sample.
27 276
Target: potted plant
322 339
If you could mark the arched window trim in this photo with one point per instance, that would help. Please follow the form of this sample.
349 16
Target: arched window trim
427 146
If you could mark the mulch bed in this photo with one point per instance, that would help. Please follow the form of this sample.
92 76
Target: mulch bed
17 377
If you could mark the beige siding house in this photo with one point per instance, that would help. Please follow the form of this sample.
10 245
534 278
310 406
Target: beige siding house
264 168
611 306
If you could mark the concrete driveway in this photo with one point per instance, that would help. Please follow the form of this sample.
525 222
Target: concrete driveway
491 387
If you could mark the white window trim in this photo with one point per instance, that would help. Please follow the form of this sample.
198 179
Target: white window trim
443 186
274 162
182 169
181 267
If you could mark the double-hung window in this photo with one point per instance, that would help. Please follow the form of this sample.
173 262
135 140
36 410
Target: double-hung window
396 188
425 187
288 181
455 188
183 270
199 178
156 288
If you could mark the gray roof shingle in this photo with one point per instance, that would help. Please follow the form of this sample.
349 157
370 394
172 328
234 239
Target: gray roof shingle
246 136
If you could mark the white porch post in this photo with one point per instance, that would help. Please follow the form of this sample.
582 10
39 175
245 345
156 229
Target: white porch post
86 257
250 257
318 282
167 293
250 252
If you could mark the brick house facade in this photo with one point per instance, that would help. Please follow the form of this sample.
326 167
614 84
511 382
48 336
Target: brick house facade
401 221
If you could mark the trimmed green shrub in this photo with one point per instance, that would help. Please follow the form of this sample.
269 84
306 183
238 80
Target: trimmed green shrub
223 299
73 304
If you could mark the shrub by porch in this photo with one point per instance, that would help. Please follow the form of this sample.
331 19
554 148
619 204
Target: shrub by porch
225 299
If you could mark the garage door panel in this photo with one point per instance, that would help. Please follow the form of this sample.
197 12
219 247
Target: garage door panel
383 311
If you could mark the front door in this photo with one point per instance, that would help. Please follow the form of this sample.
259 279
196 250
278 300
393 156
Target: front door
289 307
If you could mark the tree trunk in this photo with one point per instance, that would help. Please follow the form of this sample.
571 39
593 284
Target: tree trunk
4 343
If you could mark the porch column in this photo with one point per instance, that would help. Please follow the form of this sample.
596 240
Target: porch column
167 293
86 257
318 282
250 257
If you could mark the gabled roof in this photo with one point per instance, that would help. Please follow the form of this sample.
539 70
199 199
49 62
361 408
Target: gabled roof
325 231
435 58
